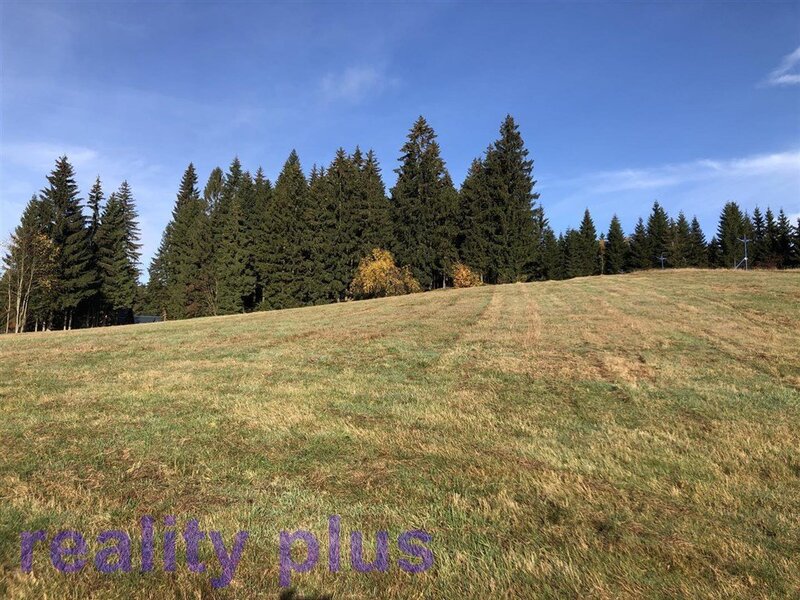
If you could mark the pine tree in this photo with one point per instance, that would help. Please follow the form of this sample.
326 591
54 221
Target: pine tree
758 249
424 208
378 228
796 245
732 226
616 248
328 263
640 249
585 261
680 250
550 255
475 228
658 235
260 231
783 240
118 251
510 186
74 275
698 250
289 245
714 252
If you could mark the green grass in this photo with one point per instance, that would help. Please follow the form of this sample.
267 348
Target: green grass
607 437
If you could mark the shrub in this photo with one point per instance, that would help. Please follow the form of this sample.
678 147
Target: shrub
464 277
379 276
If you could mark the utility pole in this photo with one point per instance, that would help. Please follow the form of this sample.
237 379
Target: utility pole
744 239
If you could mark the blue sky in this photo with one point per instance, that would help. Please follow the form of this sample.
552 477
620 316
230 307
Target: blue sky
693 104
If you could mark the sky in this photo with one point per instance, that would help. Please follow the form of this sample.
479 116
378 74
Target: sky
692 104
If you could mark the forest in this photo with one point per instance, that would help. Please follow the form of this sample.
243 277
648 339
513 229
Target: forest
244 244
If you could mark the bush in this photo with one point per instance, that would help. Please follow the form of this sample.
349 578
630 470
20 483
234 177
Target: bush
378 276
464 277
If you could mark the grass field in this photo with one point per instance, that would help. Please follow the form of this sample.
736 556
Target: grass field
606 437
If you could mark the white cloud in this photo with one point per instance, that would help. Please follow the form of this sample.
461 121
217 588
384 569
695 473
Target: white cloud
782 163
787 72
354 84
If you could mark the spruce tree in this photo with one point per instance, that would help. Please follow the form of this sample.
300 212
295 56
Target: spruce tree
640 249
658 234
378 228
118 250
586 262
796 245
510 186
94 202
732 226
616 248
75 277
680 250
550 255
698 249
783 240
758 249
475 227
424 205
289 248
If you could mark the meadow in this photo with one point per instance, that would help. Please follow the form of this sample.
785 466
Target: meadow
606 437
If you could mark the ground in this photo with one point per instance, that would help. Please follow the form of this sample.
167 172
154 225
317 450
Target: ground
607 437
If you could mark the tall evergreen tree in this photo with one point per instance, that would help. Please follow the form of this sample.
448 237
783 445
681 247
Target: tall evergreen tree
289 245
680 249
616 248
640 248
783 240
475 227
732 226
658 234
758 249
75 276
585 261
698 249
378 228
424 208
118 248
510 184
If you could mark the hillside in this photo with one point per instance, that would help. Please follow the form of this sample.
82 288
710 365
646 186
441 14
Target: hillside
620 436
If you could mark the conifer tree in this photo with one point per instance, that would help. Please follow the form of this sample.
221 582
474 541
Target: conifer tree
698 250
585 261
796 245
424 206
658 234
640 249
94 202
74 275
783 240
475 228
549 254
328 269
758 250
510 187
616 248
289 245
118 249
378 228
680 250
260 230
732 226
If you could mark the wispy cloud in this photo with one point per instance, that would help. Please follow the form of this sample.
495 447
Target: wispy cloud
787 72
355 84
604 182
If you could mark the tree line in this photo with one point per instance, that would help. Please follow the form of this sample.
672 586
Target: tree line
242 244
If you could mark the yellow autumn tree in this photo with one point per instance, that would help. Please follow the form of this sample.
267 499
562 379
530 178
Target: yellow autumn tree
464 277
378 276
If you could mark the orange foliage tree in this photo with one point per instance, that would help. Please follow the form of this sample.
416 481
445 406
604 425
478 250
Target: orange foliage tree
379 276
464 277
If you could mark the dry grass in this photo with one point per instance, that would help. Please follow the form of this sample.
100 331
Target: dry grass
606 437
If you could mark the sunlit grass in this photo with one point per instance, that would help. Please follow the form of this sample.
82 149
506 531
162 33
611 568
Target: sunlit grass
607 437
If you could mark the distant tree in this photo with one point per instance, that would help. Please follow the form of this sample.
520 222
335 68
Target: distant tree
714 253
377 231
698 249
464 277
616 250
75 278
758 249
658 234
782 245
118 248
585 261
29 268
510 185
424 206
549 255
796 245
378 276
641 252
288 253
732 226
681 245
475 230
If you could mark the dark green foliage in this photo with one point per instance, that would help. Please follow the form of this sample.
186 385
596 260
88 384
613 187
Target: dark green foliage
475 231
75 279
698 249
584 249
640 253
758 249
795 262
616 250
550 258
424 204
510 187
118 251
377 229
732 226
659 238
289 249
681 245
782 241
